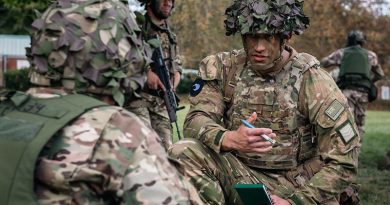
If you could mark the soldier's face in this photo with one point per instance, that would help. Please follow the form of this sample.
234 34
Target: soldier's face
262 50
164 8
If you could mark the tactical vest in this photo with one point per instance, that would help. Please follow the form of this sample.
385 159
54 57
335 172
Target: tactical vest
275 101
26 125
355 69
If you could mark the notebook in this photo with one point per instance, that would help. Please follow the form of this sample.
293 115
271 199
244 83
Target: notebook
253 194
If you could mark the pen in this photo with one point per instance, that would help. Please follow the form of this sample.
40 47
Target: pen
246 123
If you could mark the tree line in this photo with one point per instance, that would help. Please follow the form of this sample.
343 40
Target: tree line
199 26
200 30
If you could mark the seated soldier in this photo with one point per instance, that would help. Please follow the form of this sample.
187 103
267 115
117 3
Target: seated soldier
64 141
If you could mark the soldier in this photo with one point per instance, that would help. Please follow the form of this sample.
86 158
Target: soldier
357 71
151 105
286 95
82 150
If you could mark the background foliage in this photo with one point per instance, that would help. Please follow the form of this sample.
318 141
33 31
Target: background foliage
17 79
199 27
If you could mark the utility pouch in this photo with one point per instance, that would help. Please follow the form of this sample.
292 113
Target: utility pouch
304 172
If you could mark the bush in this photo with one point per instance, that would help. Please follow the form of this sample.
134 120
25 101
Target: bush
17 80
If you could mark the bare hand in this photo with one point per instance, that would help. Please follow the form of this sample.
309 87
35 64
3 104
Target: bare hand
246 139
279 201
154 81
176 80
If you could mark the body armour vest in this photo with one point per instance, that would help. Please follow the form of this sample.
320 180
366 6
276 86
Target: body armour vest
26 125
354 68
275 101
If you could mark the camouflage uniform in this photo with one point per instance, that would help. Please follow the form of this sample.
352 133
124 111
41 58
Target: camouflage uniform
107 155
317 156
357 99
113 158
302 85
151 106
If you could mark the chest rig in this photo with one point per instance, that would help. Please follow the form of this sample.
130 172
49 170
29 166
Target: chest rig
275 100
167 38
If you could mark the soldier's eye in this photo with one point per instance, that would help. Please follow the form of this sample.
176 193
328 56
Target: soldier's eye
269 37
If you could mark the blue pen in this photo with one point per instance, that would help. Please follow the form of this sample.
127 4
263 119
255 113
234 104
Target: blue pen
246 123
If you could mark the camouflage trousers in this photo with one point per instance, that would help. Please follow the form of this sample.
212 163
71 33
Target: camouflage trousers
215 174
152 109
357 102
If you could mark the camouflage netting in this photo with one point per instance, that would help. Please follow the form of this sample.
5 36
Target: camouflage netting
266 16
91 45
143 2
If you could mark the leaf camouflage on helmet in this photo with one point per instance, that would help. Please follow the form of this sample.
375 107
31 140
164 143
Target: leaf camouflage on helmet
89 46
145 2
266 16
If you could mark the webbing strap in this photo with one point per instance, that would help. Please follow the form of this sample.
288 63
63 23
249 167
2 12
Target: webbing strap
230 81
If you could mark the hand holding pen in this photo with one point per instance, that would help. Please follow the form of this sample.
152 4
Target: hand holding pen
246 123
247 140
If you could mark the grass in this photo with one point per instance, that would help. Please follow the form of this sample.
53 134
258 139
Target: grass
181 114
374 184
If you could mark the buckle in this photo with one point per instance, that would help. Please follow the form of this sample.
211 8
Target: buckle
300 180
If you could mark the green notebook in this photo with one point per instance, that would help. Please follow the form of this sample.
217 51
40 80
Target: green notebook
253 194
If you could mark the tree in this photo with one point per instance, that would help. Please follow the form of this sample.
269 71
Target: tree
17 15
199 27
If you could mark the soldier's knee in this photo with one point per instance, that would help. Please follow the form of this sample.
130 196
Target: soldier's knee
186 147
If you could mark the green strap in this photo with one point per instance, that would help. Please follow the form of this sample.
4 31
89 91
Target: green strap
26 125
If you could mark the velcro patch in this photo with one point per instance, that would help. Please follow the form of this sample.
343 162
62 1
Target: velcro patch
196 87
347 132
334 110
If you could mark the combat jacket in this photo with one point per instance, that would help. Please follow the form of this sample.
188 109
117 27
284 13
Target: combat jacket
169 48
334 59
168 42
107 152
300 103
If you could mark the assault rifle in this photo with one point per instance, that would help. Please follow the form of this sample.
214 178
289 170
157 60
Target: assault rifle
169 96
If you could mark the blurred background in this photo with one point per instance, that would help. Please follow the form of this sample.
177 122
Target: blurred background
200 32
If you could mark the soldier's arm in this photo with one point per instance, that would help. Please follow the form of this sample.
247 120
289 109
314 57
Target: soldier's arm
337 138
376 72
204 119
334 59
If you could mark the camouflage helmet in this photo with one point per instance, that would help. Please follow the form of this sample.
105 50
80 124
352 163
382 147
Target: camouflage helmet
355 37
88 46
266 16
145 2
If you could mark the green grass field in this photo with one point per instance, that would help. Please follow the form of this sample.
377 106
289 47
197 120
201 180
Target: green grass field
374 184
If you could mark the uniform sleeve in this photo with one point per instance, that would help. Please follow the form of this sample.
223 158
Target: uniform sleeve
204 119
337 137
108 157
376 69
178 61
334 59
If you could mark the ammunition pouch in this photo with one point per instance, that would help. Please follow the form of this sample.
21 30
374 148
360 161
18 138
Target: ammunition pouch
304 172
358 82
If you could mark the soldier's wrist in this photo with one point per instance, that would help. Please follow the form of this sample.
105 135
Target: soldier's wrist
226 144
